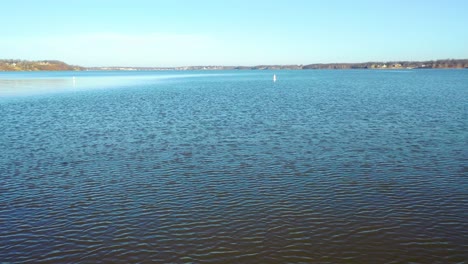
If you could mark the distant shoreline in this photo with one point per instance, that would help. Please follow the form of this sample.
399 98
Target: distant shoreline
8 65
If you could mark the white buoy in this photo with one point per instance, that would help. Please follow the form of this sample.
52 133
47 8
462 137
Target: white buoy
274 77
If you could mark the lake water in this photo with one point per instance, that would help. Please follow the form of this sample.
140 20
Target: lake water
354 166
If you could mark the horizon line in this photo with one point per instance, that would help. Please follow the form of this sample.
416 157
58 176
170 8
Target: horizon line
257 65
463 60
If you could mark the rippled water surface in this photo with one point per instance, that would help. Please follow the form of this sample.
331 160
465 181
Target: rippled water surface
229 167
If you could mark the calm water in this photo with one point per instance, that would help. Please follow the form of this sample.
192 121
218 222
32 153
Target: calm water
229 167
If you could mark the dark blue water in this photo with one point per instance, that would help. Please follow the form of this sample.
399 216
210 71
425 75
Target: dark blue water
229 167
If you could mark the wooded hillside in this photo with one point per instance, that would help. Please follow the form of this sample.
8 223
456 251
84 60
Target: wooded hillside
46 65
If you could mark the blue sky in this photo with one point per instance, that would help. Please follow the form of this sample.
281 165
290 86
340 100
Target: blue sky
237 32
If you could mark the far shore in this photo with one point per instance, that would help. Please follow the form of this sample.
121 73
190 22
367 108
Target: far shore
54 65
